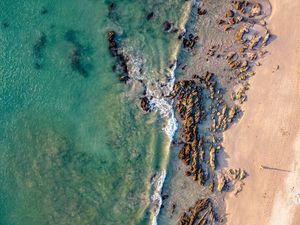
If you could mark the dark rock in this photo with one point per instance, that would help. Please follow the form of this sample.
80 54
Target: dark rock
122 58
113 47
167 26
150 16
188 173
181 35
145 104
221 22
173 207
111 7
164 197
124 78
201 11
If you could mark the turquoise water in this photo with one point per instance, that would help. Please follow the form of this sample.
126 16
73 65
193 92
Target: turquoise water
74 148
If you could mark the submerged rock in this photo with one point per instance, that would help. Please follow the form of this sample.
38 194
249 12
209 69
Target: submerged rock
150 16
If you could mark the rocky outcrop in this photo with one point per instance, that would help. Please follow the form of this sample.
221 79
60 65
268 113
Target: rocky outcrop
201 213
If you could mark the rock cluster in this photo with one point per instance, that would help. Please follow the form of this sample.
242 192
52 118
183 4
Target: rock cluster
189 41
241 18
191 98
201 213
122 58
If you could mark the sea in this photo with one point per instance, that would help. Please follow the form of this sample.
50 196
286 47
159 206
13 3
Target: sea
75 146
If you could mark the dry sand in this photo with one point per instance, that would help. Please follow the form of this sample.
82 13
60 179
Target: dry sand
269 132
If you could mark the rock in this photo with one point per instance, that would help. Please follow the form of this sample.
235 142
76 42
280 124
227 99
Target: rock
238 5
212 158
173 207
266 38
201 213
228 27
211 186
229 13
145 104
221 183
124 78
167 26
231 114
164 197
187 173
221 22
239 19
255 10
231 21
240 33
243 174
150 16
252 56
201 12
254 42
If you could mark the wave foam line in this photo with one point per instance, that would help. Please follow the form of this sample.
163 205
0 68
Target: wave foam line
156 199
164 106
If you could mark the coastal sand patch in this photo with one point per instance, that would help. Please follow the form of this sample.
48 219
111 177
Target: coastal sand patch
287 201
266 134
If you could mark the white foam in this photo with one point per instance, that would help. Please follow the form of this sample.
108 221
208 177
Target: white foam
156 199
164 104
158 94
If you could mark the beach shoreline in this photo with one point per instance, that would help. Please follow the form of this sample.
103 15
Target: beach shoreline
265 142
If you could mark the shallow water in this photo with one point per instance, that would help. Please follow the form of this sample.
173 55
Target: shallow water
75 147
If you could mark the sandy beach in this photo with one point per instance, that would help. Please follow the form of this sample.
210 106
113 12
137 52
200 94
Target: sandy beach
268 135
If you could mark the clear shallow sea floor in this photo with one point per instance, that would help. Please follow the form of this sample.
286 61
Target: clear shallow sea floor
73 148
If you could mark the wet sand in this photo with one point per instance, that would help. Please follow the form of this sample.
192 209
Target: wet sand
269 132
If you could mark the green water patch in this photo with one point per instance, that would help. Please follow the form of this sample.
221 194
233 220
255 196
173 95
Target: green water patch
48 179
73 148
